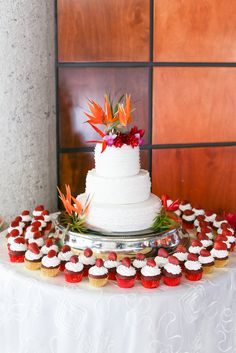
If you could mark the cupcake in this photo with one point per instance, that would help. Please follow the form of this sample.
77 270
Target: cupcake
188 218
125 274
48 220
98 274
206 260
37 238
184 206
12 236
195 247
220 254
20 221
49 245
225 226
221 238
111 264
15 225
38 210
219 220
193 268
17 250
36 224
210 216
29 233
205 241
33 257
181 254
138 263
202 225
43 224
50 264
88 260
230 238
150 274
198 220
26 218
162 257
208 231
73 270
198 211
172 272
65 256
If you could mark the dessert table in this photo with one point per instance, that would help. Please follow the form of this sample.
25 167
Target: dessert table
39 315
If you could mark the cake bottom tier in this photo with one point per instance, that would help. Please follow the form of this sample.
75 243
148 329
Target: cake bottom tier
122 218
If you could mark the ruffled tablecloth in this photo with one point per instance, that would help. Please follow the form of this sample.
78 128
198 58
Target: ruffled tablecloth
39 315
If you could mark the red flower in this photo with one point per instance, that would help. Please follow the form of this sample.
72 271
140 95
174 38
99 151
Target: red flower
118 142
135 130
231 218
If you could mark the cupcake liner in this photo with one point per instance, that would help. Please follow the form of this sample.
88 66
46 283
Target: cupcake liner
150 284
17 258
73 278
221 263
172 281
50 272
125 283
207 269
32 265
193 276
98 282
62 266
112 276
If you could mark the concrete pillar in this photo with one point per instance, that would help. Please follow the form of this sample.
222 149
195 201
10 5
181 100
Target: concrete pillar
27 106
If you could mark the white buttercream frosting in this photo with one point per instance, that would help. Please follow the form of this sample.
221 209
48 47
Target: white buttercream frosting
220 230
210 235
37 213
38 241
18 247
196 222
111 264
198 212
47 218
43 223
98 271
217 224
117 162
195 249
50 261
171 268
178 213
210 218
161 261
231 239
139 263
193 265
74 267
29 234
31 256
149 271
19 228
181 256
87 260
65 256
10 240
205 259
206 243
220 254
185 207
26 218
126 271
45 250
189 218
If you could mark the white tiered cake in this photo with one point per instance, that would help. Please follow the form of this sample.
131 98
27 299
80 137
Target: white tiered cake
122 201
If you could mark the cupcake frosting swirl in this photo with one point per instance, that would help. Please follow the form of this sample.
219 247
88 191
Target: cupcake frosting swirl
45 249
150 271
181 256
65 256
29 255
74 267
18 247
173 269
188 218
126 271
220 254
50 261
38 241
90 260
26 218
139 263
98 271
193 265
206 243
111 264
195 249
206 259
161 261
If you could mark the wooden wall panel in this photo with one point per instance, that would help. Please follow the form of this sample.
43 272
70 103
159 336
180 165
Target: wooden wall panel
195 30
194 104
103 30
76 85
205 176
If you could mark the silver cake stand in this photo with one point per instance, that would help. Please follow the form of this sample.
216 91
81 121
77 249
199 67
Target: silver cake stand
124 244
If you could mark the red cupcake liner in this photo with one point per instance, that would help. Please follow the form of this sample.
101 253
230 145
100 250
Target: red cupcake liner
17 258
86 269
171 281
62 266
112 276
138 275
193 276
150 284
125 283
73 278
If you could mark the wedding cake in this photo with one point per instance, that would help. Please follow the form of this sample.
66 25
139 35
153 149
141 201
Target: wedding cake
120 189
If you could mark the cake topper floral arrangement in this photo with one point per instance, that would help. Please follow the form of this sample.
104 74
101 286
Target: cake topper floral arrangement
116 118
166 219
75 213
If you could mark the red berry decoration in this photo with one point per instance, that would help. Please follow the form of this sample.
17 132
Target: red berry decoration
112 256
66 248
218 245
36 224
51 253
19 240
192 257
219 219
38 218
196 242
162 253
39 208
151 262
202 236
173 260
204 252
181 248
126 262
200 218
33 247
14 233
221 238
25 213
226 232
49 242
45 213
14 224
74 259
88 252
34 229
140 256
37 235
224 226
99 262
188 213
18 219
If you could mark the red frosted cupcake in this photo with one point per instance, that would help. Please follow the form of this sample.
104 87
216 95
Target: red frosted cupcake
193 268
172 272
87 259
206 242
73 270
181 254
111 264
188 218
150 274
38 210
125 274
65 256
195 247
138 264
17 250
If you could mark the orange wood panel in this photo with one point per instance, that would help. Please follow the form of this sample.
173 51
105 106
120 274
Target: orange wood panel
205 176
76 85
103 30
193 104
195 30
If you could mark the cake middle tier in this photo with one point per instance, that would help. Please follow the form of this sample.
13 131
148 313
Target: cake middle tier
118 191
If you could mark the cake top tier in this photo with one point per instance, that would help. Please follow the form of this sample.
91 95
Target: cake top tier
117 162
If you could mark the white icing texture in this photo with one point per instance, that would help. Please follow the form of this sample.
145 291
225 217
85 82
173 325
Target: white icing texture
193 265
18 247
139 263
29 255
220 254
45 249
206 259
39 241
149 271
50 261
181 256
87 260
98 271
173 269
126 271
65 256
161 261
195 249
111 264
74 267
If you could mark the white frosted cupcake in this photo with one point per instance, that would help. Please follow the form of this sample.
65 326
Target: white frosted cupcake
218 222
87 259
38 210
206 260
205 241
138 264
50 264
15 225
198 211
181 254
172 272
184 206
26 217
220 254
98 274
162 257
111 264
150 274
33 257
49 245
17 250
210 216
125 274
64 255
195 247
73 270
37 238
198 219
193 268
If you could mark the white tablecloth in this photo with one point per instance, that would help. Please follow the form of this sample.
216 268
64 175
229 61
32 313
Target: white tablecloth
39 315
